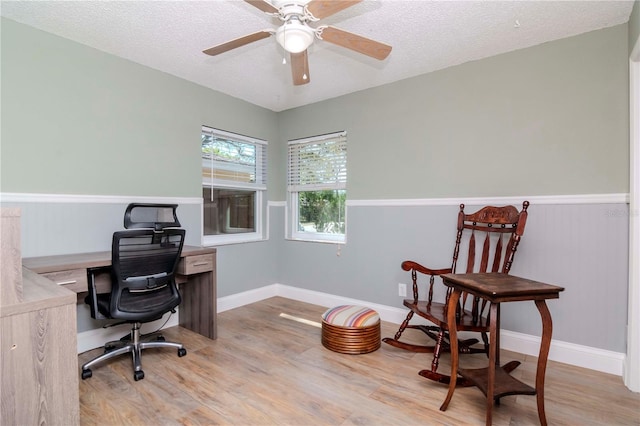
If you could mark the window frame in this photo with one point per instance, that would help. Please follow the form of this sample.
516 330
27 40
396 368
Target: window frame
259 189
294 187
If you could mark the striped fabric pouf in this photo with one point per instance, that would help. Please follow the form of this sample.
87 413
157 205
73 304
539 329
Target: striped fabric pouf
351 329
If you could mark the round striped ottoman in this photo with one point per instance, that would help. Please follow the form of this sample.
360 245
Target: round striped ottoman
351 329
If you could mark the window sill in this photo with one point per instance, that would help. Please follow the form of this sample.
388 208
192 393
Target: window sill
312 240
231 239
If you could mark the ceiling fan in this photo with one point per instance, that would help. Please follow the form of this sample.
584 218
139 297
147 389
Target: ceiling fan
295 35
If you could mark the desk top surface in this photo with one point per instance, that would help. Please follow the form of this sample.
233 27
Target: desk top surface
498 287
63 262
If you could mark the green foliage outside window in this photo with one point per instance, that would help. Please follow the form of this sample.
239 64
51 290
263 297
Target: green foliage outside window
322 211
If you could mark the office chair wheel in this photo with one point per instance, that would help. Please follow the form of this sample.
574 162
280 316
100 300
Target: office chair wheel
182 352
138 375
160 339
86 374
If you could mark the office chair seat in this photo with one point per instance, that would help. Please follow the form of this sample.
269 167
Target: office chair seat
143 304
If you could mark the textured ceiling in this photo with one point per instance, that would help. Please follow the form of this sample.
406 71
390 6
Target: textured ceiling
425 35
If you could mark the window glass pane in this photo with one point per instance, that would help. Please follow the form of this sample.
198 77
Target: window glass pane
228 211
317 182
322 211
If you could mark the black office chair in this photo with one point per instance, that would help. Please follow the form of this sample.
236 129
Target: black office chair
143 286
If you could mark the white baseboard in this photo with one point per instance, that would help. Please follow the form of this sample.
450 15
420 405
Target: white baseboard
568 353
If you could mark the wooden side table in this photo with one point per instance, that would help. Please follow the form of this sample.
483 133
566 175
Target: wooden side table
493 381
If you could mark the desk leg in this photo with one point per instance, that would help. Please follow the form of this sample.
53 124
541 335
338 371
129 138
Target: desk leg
547 329
453 344
198 309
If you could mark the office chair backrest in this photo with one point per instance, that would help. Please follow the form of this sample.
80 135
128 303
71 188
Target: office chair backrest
144 262
151 216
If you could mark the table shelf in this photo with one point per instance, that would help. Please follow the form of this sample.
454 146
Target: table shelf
505 384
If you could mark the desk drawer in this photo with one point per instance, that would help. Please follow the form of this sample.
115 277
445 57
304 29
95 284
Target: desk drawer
196 264
73 279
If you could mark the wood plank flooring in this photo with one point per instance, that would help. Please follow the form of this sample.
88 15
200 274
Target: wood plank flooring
265 369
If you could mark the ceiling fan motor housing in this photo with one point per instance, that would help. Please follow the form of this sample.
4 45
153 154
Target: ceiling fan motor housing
294 35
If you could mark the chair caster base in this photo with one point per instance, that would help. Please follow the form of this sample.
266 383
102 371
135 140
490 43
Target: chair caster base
182 352
138 375
86 374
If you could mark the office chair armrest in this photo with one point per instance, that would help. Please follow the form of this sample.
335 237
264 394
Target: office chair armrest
92 297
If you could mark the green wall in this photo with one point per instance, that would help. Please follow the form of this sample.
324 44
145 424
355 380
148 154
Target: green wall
76 120
550 119
546 120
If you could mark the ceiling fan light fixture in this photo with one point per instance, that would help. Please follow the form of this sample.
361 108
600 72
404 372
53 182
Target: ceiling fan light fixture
294 36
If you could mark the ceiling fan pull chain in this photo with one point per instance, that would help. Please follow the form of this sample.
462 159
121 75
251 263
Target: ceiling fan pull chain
284 51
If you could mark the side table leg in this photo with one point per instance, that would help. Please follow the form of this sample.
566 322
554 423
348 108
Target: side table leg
545 344
453 344
494 350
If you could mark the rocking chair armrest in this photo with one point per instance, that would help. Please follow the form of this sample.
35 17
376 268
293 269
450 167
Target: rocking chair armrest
409 265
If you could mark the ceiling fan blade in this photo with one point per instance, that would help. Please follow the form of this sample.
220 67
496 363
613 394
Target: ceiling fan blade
238 42
300 68
263 5
352 41
323 8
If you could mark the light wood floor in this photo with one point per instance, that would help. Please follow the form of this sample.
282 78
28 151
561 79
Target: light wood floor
265 369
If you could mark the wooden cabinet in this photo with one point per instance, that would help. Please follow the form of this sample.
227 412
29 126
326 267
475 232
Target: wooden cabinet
196 264
73 279
39 364
198 309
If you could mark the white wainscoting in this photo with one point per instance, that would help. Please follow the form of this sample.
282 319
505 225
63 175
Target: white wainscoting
579 355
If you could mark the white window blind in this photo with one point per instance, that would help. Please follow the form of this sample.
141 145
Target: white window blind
318 163
231 160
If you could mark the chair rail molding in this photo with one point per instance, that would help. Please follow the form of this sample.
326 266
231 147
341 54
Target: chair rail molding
615 198
20 197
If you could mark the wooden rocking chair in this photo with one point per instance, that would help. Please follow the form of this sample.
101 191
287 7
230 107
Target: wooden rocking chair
503 228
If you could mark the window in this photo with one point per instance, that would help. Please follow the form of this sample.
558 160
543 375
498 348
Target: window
317 182
233 183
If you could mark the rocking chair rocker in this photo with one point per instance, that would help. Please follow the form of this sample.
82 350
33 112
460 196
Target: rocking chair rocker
499 225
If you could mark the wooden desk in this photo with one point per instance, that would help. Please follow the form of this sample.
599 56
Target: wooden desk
493 381
196 273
